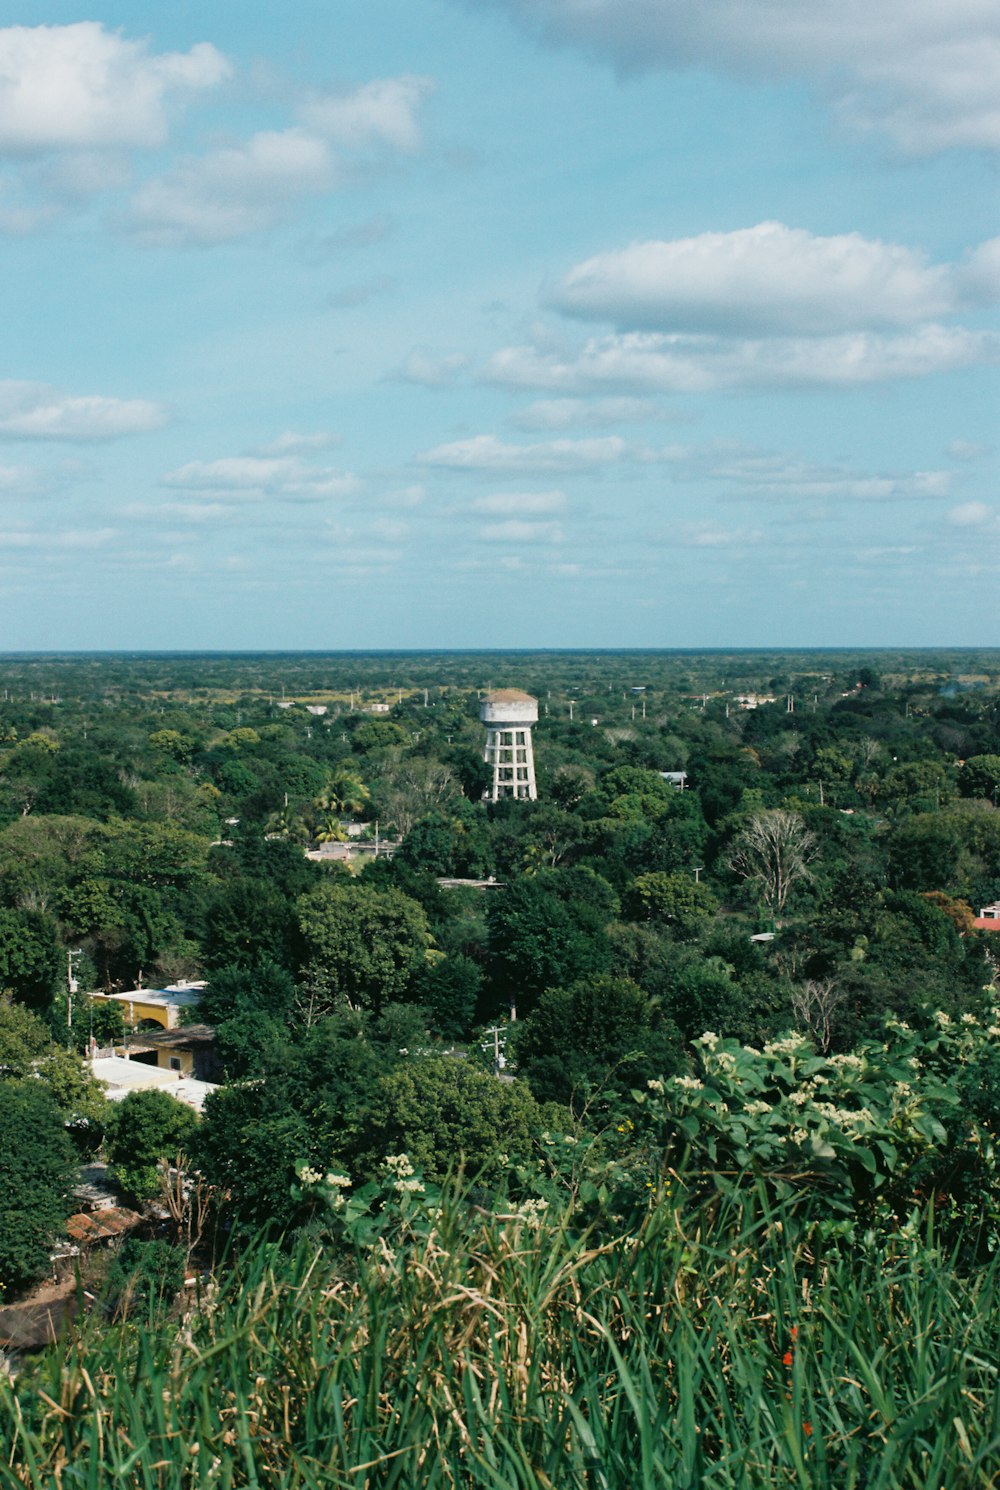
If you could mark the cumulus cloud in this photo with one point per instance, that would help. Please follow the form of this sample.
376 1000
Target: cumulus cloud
359 294
521 503
653 362
973 515
79 86
232 191
711 535
382 112
577 413
487 453
35 411
293 442
968 450
515 530
762 474
71 538
253 477
248 186
765 280
921 72
432 370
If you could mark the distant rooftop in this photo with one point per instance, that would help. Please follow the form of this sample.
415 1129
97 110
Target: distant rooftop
508 696
119 1077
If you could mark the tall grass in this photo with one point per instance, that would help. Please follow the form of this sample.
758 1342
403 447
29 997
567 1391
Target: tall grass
714 1351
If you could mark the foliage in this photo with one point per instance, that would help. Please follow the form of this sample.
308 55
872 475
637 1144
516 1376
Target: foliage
363 945
36 1166
588 1045
444 1113
148 1126
705 1347
145 1277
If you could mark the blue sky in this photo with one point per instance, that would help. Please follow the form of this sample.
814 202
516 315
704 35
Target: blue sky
515 323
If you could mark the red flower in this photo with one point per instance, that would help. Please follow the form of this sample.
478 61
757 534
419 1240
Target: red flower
795 1332
786 1359
807 1429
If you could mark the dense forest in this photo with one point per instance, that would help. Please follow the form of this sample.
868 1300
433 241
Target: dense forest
650 1123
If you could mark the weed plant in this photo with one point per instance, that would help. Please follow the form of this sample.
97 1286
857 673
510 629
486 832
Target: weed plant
722 1347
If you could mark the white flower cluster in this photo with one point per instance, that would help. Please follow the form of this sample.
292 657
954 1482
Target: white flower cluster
941 1019
398 1165
309 1176
757 1109
847 1062
786 1045
408 1187
689 1083
709 1039
531 1212
656 1086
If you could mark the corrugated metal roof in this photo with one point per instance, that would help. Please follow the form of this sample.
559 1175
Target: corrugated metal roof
102 1226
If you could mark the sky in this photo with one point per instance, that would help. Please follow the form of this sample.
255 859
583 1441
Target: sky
500 323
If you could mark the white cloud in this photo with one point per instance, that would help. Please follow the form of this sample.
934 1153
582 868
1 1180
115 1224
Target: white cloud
20 481
249 186
968 450
233 191
516 531
576 413
359 294
253 477
73 538
382 112
765 280
711 535
487 453
67 87
651 362
292 442
35 411
520 503
922 72
973 515
979 274
775 476
185 512
432 370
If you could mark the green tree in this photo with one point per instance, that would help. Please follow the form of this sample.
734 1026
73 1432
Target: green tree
442 1112
30 956
676 900
980 777
36 1169
595 1042
148 1126
363 945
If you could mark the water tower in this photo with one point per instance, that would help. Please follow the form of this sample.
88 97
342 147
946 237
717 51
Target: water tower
508 715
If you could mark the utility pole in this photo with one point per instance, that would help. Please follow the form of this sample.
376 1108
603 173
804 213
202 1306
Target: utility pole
72 986
495 1032
699 869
